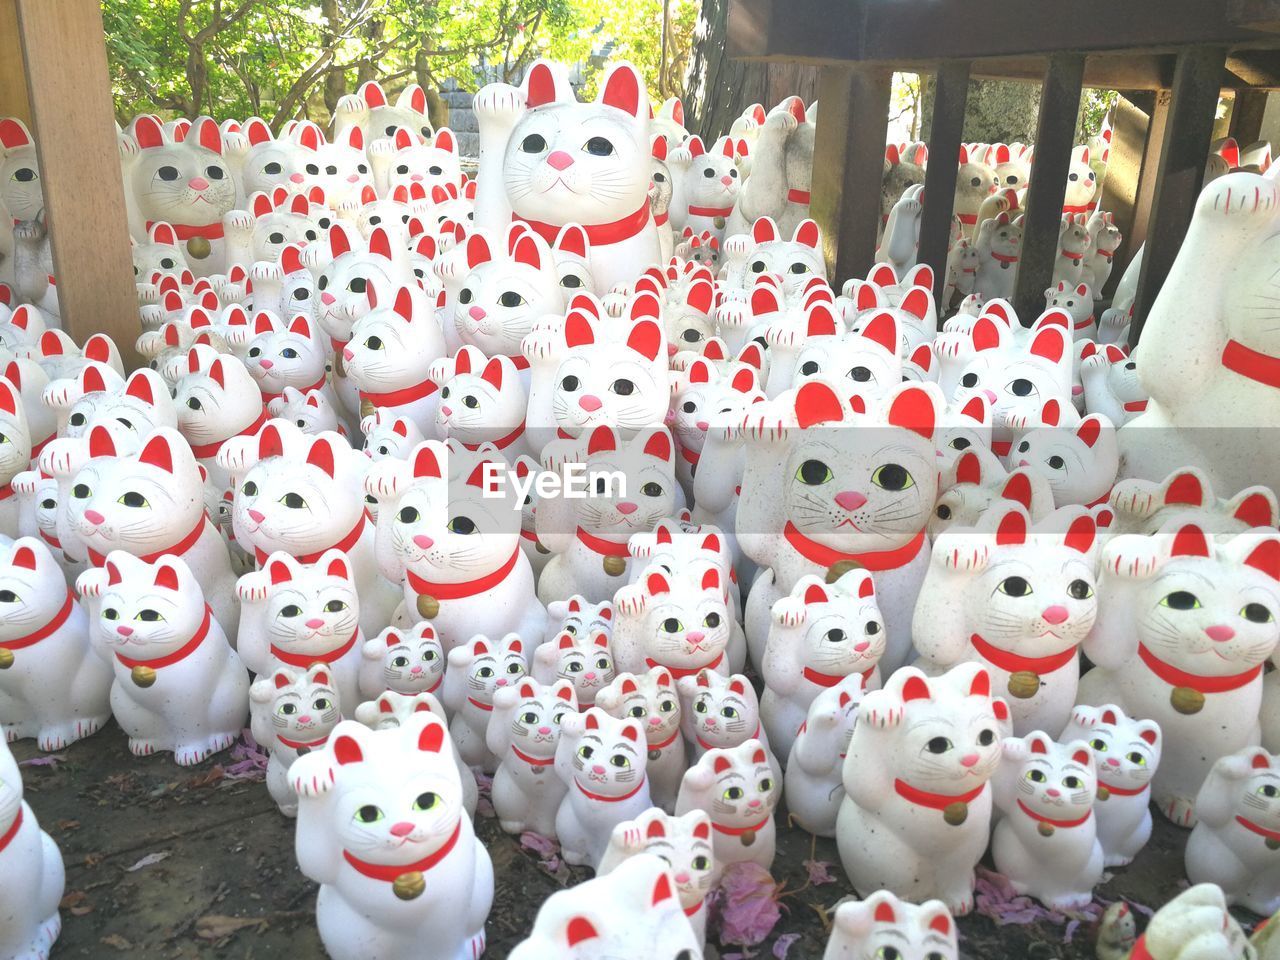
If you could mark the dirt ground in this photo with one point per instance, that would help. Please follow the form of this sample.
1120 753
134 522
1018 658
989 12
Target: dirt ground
165 862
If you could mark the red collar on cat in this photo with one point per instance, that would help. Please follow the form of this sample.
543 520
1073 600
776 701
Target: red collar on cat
710 211
815 552
798 196
1013 663
680 672
12 831
180 654
603 799
58 620
1258 829
1059 824
487 707
531 761
345 545
598 233
739 831
204 451
831 679
968 219
303 744
387 872
1262 367
1003 257
398 398
1180 678
1075 208
318 385
601 546
1122 791
693 911
502 442
468 588
1073 257
691 457
660 219
711 746
935 801
6 492
667 742
304 660
177 550
51 540
210 231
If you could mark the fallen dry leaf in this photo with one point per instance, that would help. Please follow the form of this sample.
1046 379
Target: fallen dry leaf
68 824
116 941
93 859
148 860
215 926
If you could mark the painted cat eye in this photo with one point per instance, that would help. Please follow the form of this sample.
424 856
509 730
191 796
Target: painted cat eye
288 709
1079 590
893 477
651 489
150 616
702 863
814 473
133 499
533 143
8 596
1098 744
619 761
1181 600
586 752
810 367
321 703
1014 587
938 745
638 711
528 717
510 299
249 489
598 147
571 281
400 661
666 706
672 625
111 613
766 785
335 606
293 501
986 738
1269 791
369 814
485 673
291 611
1036 776
1056 462
462 525
1137 759
734 793
272 168
1073 783
969 380
1256 613
729 713
81 492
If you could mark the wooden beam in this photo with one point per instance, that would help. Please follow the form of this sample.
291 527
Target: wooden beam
1246 116
13 79
1194 100
1055 137
64 50
950 97
848 165
1122 188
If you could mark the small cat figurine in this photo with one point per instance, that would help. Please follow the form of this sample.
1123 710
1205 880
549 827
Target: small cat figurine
215 401
1112 386
813 783
1080 464
667 620
404 157
286 355
312 411
381 825
408 662
523 734
604 763
388 436
578 617
739 789
684 843
1127 754
32 876
376 116
268 162
338 167
975 181
1144 506
178 684
709 185
781 161
1195 923
476 671
650 698
884 926
583 660
819 634
291 713
720 713
15 453
976 481
917 810
1046 842
1237 836
52 687
1082 184
482 401
999 248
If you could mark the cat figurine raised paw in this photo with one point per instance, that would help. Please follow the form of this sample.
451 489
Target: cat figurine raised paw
813 783
32 876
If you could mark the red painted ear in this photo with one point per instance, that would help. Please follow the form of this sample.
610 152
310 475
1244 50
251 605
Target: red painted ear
659 446
1081 757
280 573
565 693
591 722
113 574
969 468
425 463
541 90
916 688
346 750
1190 541
632 732
912 409
1050 343
976 408
816 403
981 686
166 576
655 830
622 90
578 331
1081 533
1038 745
657 584
1012 529
1254 510
384 706
139 387
816 593
744 381
662 889
269 442
1001 709
721 765
1149 735
25 558
941 924
664 676
282 680
885 914
821 322
602 440
646 339
808 235
578 930
1260 762
628 687
711 579
1089 430
882 329
526 252
321 677
566 642
1266 558
321 455
1018 489
764 230
431 738
157 454
148 131
338 568
300 327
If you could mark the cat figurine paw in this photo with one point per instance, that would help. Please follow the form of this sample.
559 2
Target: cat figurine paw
813 783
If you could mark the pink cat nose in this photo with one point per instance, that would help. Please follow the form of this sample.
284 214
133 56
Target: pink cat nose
477 313
598 770
1053 792
703 425
968 760
353 179
502 681
305 719
295 178
626 507
416 178
682 877
266 364
859 647
1076 390
257 516
991 395
655 721
425 542
697 636
589 676
415 671
560 160
590 402
1112 762
125 631
315 623
327 298
850 499
348 354
544 730
1219 633
198 183
727 181
1055 614
447 411
753 803
401 829
94 517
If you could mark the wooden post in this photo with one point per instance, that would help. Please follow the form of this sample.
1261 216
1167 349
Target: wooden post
848 165
13 79
1124 169
950 97
1246 116
1197 79
1055 136
65 54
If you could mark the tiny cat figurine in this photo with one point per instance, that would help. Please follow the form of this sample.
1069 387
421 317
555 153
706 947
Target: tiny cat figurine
1192 925
476 671
708 187
1112 386
1127 754
975 181
1077 302
32 876
721 713
666 620
523 734
884 926
976 481
404 157
813 783
631 913
291 713
216 401
1185 623
818 635
578 617
917 810
1236 841
376 116
388 436
312 411
650 698
338 167
1080 464
1046 842
739 789
684 843
482 401
15 454
603 762
52 686
178 684
1082 184
404 661
380 827
1017 598
707 395
295 615
1144 506
583 660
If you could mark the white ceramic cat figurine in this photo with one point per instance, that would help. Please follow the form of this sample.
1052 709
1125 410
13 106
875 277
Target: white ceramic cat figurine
1112 386
523 734
482 401
1236 843
291 713
32 876
477 669
584 660
814 785
782 164
405 157
917 811
709 186
15 453
1082 184
999 249
408 662
288 354
1126 753
674 621
739 789
1186 621
216 401
604 763
975 181
1143 506
650 698
52 686
1193 925
380 827
819 634
882 923
178 684
1046 842
313 412
719 712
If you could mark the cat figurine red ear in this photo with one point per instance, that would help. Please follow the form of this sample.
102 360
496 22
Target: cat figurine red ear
778 154
477 670
653 690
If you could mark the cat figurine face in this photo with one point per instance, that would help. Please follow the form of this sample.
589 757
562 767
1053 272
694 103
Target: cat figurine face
185 183
603 755
1126 751
285 355
15 436
159 254
976 480
406 157
403 661
796 261
391 351
346 269
214 401
1012 166
389 436
739 789
711 181
483 400
683 842
1080 464
485 666
311 611
312 412
865 363
883 925
709 398
138 405
1082 182
719 712
147 612
371 110
339 168
269 163
20 190
584 661
1112 387
579 617
504 292
296 709
649 698
1054 780
676 622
